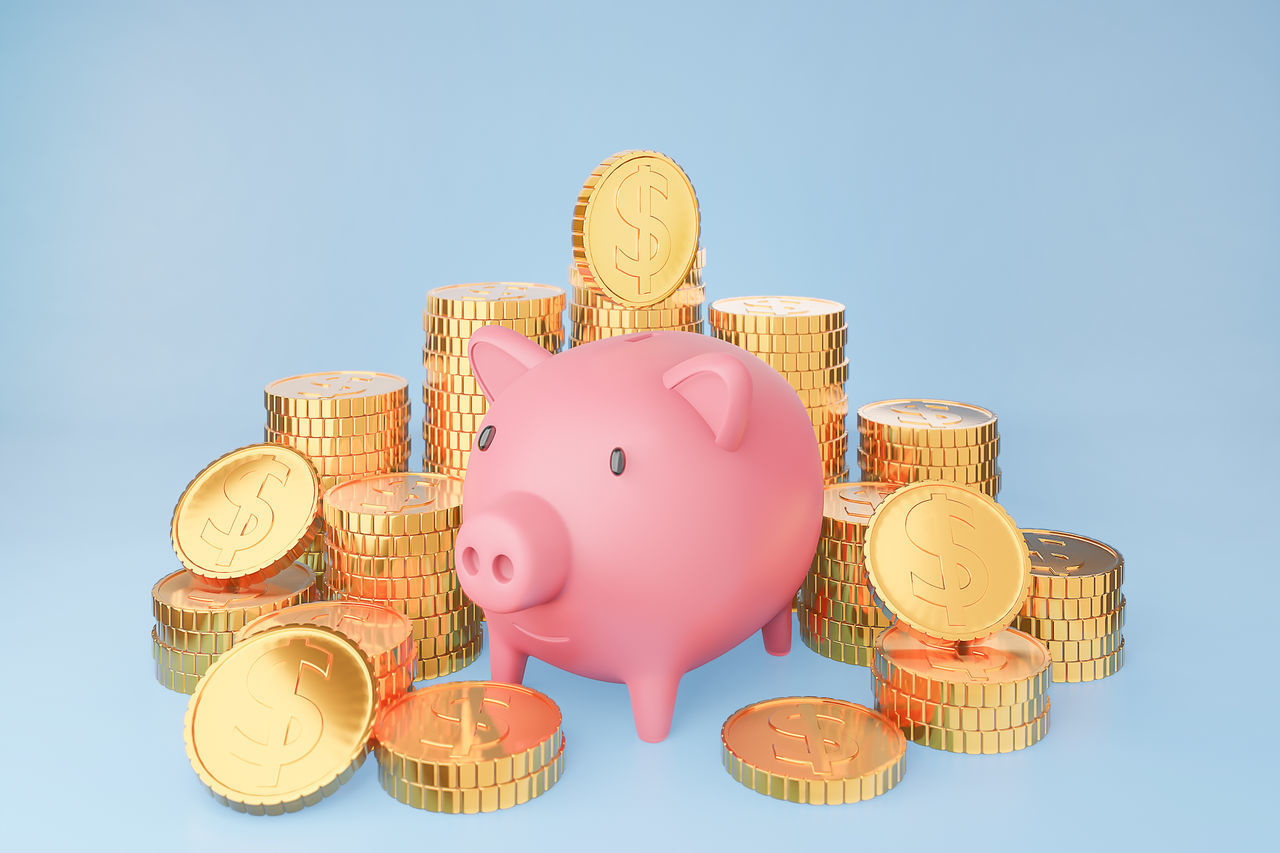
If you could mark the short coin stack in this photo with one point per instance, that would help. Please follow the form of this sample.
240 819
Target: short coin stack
837 611
389 540
347 423
383 635
238 528
952 568
906 441
469 746
1075 607
803 339
454 402
637 265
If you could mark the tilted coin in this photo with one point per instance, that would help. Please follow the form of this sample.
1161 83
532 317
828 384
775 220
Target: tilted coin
248 513
282 719
1005 668
187 602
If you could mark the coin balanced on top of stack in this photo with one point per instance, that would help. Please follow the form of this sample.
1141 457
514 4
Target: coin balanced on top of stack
803 338
454 401
905 441
637 264
952 568
347 422
238 530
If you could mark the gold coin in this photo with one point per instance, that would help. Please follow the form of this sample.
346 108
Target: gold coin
187 602
844 571
900 473
453 421
416 568
834 451
394 504
384 462
428 626
635 227
432 605
823 417
821 378
489 798
828 395
901 706
1064 565
850 653
634 318
866 615
458 327
590 334
177 660
1089 670
471 404
202 642
786 362
906 454
1073 629
385 636
992 742
401 545
450 346
341 393
777 315
454 661
927 423
452 383
443 470
807 749
443 458
847 508
836 590
392 423
1005 668
348 445
947 560
493 300
1076 650
179 682
794 343
447 439
468 734
835 631
281 720
248 513
689 294
445 365
831 430
1070 608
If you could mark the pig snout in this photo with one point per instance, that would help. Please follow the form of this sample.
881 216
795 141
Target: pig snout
513 554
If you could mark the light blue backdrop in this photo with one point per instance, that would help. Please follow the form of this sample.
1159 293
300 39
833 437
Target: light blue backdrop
1066 212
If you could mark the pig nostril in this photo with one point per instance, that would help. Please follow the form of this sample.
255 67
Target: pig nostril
470 561
502 568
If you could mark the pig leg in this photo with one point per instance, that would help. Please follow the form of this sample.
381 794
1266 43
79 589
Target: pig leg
506 662
777 632
653 703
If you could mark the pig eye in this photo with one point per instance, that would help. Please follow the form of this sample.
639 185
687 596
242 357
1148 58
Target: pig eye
617 461
486 437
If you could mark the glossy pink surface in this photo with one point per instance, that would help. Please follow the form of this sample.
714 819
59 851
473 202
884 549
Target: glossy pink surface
641 576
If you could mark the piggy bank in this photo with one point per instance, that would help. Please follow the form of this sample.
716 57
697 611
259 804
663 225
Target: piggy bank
634 508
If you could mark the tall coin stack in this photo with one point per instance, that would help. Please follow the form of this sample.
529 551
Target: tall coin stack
455 405
1076 607
837 611
389 540
906 441
347 423
803 339
637 265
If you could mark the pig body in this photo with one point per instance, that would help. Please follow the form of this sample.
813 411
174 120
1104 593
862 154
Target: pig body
634 508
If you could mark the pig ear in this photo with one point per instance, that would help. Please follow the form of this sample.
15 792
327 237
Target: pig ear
718 387
500 356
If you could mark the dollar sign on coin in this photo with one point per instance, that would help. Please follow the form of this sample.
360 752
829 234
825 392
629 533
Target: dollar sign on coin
974 664
243 487
1050 554
636 202
819 741
471 729
400 495
932 526
291 725
921 413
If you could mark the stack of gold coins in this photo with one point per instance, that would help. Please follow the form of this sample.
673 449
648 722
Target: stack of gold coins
906 441
952 568
237 529
347 423
1075 607
803 339
383 635
454 402
469 746
838 615
389 540
637 265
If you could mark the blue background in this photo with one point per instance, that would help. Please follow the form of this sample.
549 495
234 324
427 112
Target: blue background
1066 212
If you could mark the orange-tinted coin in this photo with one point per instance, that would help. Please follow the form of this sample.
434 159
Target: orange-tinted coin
385 636
187 602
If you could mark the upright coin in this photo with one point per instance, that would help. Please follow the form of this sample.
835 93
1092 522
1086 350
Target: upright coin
282 720
947 560
807 749
636 227
250 512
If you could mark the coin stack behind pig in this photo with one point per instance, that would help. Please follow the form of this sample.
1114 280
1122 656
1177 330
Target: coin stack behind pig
906 441
838 615
804 340
637 265
454 402
347 422
1076 607
389 540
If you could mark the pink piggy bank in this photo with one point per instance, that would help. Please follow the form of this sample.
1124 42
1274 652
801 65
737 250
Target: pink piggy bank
634 508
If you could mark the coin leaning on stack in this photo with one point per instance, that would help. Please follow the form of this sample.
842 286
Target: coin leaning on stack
454 401
469 746
803 339
637 264
346 422
836 608
1076 607
906 441
389 540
